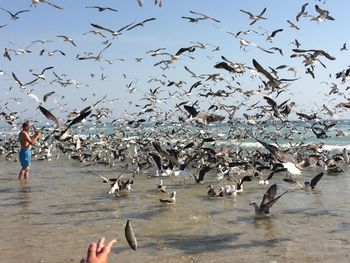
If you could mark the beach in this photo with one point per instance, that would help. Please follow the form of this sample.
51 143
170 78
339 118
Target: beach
63 208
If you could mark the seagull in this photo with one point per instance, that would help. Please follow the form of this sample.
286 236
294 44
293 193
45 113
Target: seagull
162 187
101 9
302 12
254 17
323 14
267 201
35 2
211 191
292 25
169 201
14 16
307 185
270 37
202 173
193 19
41 75
96 33
67 39
141 23
23 86
114 33
98 57
205 16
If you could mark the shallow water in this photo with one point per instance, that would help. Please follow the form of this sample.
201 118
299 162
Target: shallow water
62 208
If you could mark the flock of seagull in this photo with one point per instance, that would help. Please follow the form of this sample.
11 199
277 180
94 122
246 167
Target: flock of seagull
185 142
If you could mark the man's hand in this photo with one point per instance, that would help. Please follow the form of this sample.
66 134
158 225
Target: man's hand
98 253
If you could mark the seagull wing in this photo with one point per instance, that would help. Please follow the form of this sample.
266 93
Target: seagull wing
105 180
315 180
260 69
191 110
48 95
269 195
262 12
80 117
102 28
49 115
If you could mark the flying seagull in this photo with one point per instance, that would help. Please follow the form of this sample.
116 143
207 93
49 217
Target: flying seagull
101 9
35 2
268 200
141 23
205 16
67 39
14 16
114 33
254 17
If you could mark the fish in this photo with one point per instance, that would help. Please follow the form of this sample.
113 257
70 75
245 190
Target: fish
130 236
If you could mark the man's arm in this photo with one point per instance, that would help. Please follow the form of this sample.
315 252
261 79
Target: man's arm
31 140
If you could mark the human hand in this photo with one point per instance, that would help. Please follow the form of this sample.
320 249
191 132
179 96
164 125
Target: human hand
99 253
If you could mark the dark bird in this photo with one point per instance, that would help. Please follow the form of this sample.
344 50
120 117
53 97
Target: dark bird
302 12
14 15
49 115
48 95
101 9
273 34
319 132
311 185
267 201
202 173
141 23
130 236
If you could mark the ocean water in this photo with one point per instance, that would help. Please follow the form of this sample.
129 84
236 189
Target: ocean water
54 215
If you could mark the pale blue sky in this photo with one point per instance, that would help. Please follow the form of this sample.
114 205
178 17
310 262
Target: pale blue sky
168 31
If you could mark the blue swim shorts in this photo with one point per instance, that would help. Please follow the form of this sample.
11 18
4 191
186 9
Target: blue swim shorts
24 156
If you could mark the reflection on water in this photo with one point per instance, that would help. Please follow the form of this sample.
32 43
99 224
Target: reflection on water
55 214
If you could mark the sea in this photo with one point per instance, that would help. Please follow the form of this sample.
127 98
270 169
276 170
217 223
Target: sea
62 207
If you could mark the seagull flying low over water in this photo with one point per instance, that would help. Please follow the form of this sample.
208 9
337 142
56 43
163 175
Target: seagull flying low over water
268 200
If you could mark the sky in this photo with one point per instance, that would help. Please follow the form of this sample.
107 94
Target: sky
131 66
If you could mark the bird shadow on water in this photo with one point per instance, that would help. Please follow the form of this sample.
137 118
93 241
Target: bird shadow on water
201 243
151 212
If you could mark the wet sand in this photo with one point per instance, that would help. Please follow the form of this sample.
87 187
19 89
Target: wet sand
61 208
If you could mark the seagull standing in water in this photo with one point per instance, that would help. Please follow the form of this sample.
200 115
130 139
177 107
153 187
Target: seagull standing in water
169 201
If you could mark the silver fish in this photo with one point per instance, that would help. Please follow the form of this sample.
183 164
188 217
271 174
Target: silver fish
130 236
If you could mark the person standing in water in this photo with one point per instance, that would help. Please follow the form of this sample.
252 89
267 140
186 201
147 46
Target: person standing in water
25 153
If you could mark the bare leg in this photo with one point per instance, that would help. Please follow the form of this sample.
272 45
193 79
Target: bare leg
21 173
26 173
